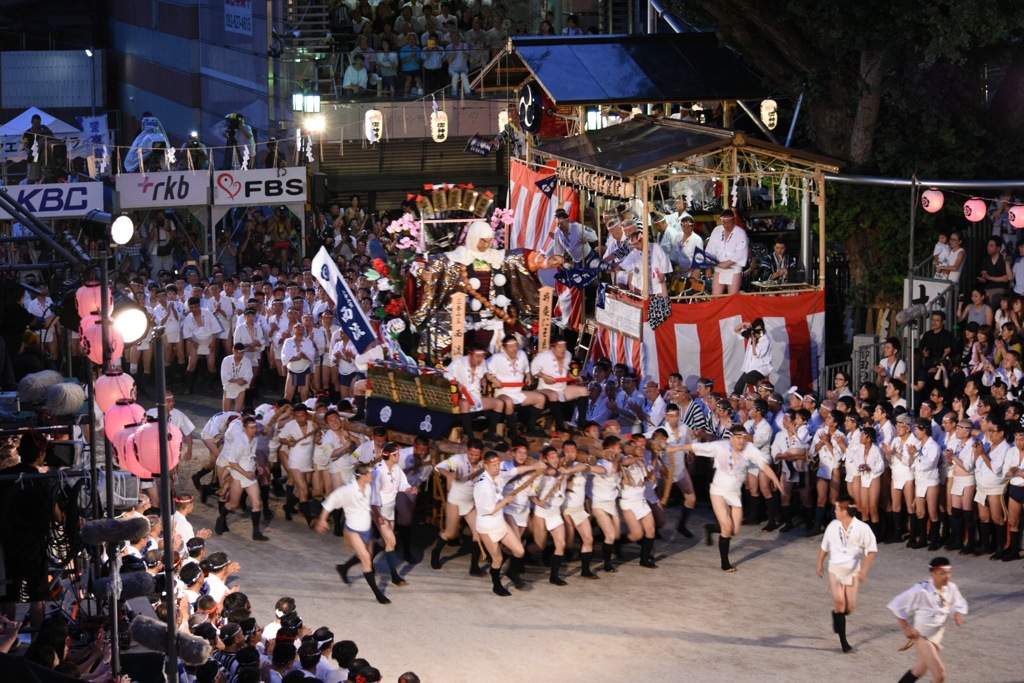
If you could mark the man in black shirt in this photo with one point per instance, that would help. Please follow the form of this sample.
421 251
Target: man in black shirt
936 343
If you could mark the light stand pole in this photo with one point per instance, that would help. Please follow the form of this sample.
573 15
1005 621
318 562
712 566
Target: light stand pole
92 70
113 552
171 661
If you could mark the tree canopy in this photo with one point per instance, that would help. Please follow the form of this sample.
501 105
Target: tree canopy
921 87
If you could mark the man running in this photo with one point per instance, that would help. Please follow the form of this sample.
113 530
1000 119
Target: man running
922 612
850 547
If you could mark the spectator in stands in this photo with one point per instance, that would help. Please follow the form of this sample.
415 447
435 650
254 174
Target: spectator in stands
387 64
356 77
457 56
410 57
433 62
369 54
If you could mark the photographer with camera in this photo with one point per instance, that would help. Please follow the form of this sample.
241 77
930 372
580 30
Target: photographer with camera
237 132
757 358
36 136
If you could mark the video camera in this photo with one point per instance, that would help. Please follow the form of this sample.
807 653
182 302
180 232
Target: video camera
233 121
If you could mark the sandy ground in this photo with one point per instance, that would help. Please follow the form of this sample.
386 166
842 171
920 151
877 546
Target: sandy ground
685 621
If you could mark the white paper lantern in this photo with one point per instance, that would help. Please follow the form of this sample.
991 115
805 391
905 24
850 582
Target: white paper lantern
373 122
974 210
932 200
439 126
770 113
1017 216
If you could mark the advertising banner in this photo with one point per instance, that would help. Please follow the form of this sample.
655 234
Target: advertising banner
163 190
260 187
59 200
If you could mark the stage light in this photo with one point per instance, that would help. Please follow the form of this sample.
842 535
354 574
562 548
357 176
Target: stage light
315 124
131 321
122 230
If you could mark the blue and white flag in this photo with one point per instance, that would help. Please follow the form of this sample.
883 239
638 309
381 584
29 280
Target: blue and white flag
347 313
547 185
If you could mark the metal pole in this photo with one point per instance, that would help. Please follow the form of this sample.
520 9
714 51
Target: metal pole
92 64
28 220
108 465
909 352
757 120
913 214
171 661
922 182
94 443
796 115
805 228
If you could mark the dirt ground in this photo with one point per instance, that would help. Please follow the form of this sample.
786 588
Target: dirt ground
685 621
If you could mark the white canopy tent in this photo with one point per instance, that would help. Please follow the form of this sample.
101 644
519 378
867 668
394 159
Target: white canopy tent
11 132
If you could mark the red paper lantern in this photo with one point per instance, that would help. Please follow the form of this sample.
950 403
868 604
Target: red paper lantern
92 342
932 200
147 446
1017 216
128 458
120 415
89 298
975 210
113 386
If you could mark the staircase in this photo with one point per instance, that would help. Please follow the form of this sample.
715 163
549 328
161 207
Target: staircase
617 16
309 42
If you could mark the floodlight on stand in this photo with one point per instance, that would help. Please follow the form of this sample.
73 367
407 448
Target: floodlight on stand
131 320
311 103
122 230
314 124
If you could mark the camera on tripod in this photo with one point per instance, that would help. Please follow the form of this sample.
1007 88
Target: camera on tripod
233 122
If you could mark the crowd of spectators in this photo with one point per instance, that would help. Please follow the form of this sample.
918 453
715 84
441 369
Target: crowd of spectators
281 650
411 48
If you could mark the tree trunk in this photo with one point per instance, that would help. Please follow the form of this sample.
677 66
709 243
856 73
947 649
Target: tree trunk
862 134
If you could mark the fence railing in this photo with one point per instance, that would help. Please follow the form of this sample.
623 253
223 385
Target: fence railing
828 375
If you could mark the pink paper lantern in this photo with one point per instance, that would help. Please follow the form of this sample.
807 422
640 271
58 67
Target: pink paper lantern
129 460
1017 216
975 210
932 200
120 415
147 446
92 342
113 386
121 438
87 322
89 298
